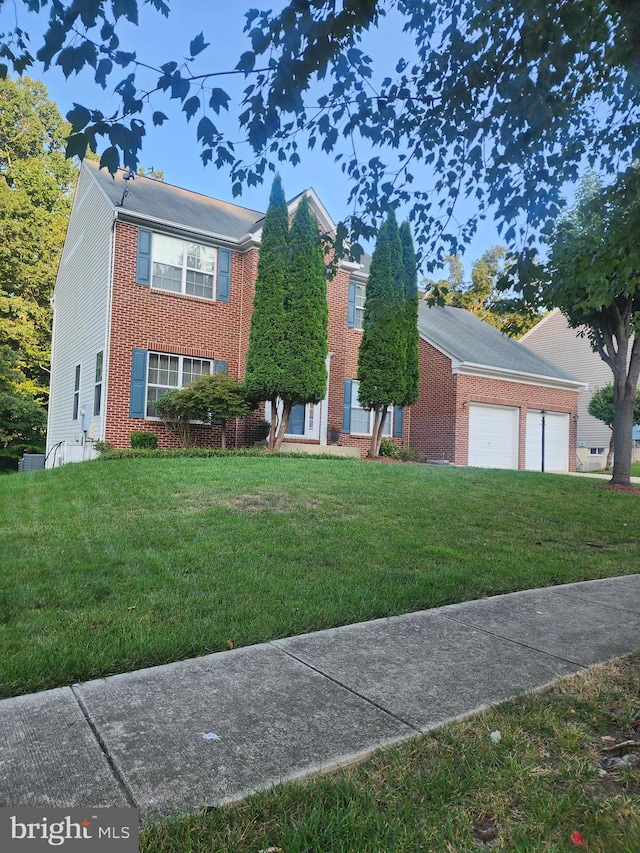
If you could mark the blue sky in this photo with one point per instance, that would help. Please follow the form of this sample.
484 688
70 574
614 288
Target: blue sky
173 147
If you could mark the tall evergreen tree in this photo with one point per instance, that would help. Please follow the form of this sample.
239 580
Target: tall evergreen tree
409 273
264 373
304 372
382 356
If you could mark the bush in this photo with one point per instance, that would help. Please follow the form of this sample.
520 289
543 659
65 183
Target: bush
103 446
409 455
142 440
389 448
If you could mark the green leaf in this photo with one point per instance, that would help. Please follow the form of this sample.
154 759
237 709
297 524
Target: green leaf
197 45
110 159
191 106
159 118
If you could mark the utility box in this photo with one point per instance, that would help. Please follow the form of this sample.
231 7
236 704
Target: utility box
31 462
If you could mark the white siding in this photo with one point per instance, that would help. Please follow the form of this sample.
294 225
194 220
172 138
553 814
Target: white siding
80 313
555 340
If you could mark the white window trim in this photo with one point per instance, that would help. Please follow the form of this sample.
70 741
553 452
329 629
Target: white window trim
388 432
359 310
185 268
165 388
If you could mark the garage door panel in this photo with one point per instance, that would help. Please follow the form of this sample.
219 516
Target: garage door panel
556 441
493 436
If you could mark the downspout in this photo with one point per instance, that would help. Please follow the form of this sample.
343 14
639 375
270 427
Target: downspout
107 346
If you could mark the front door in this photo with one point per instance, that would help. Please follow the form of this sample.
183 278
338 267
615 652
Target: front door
304 421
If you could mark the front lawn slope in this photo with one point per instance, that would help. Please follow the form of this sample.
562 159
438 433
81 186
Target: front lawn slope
108 567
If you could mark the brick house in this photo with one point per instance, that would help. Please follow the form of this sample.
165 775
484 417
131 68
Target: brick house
482 395
156 287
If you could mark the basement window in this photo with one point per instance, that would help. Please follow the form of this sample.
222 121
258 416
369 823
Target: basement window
596 451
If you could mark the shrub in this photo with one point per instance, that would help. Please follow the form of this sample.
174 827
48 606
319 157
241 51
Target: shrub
388 448
103 446
409 455
142 440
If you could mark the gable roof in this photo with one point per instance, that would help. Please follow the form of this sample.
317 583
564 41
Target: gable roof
475 347
157 200
148 200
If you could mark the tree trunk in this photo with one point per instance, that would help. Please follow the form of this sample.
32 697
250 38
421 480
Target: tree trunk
224 434
624 398
379 416
609 461
282 426
274 423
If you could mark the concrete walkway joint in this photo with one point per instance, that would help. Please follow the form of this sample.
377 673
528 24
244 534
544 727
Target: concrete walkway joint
209 730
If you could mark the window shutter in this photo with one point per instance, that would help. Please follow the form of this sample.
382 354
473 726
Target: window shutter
346 410
398 421
143 264
224 275
137 403
220 367
351 311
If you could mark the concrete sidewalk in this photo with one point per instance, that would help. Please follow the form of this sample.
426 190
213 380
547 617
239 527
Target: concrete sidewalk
209 730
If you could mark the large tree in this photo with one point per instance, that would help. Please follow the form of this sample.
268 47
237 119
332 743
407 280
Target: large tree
594 278
35 188
382 357
304 355
483 295
500 102
264 373
601 406
409 283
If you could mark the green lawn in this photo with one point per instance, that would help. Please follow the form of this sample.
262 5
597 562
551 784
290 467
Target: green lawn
111 566
635 469
456 791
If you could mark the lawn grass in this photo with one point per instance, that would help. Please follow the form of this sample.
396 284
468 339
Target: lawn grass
455 790
112 566
635 469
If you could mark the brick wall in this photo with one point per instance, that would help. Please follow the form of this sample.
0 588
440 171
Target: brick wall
150 319
156 320
440 418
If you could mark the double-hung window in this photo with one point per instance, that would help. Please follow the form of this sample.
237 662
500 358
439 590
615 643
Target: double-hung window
169 372
359 310
362 419
183 267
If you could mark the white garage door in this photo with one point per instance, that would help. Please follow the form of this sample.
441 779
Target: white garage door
493 436
556 441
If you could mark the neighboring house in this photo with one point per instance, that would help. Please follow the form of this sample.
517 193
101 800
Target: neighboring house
156 287
483 394
554 339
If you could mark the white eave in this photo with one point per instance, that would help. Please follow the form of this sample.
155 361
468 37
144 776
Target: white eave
173 228
484 371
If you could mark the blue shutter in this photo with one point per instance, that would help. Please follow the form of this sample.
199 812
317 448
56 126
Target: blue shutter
138 400
224 275
346 410
398 421
143 264
351 311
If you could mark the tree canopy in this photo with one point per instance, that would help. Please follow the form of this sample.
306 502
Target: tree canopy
501 103
22 420
35 200
382 357
483 295
594 278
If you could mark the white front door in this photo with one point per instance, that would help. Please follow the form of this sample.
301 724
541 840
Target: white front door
304 422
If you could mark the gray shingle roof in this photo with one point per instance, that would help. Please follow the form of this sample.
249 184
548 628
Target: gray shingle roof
466 338
173 204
